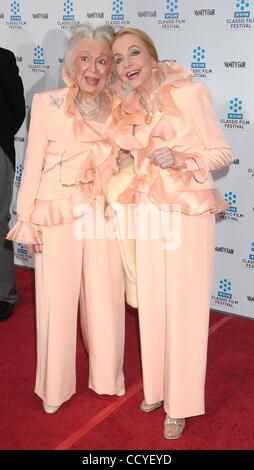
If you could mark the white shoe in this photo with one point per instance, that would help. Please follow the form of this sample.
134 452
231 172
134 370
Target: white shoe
50 409
121 392
173 427
148 408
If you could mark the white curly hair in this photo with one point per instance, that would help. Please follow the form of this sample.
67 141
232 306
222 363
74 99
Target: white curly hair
81 32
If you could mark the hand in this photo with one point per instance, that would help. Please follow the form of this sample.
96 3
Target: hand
164 158
35 248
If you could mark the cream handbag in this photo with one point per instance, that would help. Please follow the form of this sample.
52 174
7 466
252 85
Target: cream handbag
125 228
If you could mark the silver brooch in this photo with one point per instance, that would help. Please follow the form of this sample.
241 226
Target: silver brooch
56 102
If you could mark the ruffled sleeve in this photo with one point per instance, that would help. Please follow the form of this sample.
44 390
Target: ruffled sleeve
188 166
25 233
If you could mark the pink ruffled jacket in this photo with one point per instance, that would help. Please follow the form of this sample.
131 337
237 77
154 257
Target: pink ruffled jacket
187 124
67 162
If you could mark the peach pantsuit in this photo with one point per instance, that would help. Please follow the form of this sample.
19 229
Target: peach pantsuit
174 280
68 163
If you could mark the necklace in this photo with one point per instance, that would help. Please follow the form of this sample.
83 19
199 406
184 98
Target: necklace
86 112
149 115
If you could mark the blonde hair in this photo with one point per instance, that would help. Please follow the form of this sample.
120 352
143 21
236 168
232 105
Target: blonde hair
85 31
141 35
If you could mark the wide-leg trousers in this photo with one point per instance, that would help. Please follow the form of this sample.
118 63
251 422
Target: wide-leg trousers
173 284
69 270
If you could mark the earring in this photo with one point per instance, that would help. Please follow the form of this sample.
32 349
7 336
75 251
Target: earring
154 70
123 86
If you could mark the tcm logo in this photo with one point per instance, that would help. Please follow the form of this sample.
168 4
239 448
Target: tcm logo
248 261
235 108
198 58
172 9
251 256
231 199
38 55
15 11
242 9
68 10
225 289
21 249
19 171
117 10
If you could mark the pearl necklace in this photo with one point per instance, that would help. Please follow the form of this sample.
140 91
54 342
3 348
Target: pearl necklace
86 112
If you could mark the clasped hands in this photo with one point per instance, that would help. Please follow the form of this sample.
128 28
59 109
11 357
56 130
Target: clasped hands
165 158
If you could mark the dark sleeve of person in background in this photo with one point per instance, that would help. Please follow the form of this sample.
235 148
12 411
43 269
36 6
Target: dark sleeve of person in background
12 102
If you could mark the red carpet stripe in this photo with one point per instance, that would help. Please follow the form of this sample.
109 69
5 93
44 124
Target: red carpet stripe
218 324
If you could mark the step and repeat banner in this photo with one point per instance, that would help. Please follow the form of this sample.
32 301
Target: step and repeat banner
214 38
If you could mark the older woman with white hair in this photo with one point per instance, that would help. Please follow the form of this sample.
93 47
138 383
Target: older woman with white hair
68 162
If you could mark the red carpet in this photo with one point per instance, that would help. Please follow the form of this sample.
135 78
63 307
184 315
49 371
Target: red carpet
89 421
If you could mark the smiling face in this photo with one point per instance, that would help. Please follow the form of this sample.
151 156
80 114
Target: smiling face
92 65
133 61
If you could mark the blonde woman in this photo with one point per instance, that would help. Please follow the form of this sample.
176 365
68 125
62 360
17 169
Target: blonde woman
170 129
